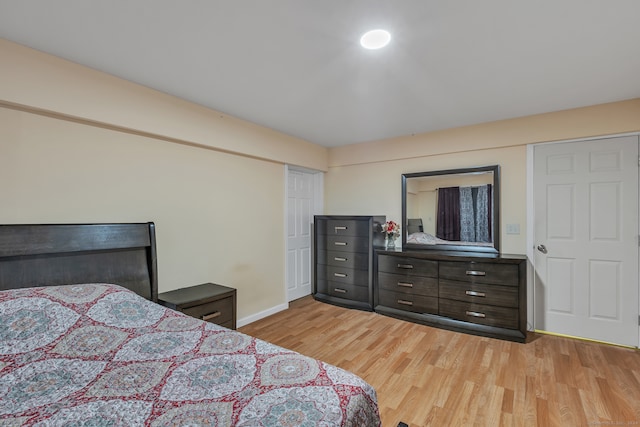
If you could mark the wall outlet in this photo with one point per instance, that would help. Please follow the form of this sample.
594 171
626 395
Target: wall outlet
513 228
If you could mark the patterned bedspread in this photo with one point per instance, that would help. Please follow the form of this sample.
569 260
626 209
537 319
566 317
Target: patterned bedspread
100 355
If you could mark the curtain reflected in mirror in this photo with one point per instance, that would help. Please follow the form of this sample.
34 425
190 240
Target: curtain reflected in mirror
452 209
464 214
448 208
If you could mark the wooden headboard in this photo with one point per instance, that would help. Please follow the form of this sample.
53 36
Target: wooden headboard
58 254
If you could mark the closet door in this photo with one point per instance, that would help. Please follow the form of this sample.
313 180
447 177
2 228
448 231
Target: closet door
586 239
300 205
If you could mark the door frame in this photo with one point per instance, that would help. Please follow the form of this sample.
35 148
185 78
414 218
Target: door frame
531 218
317 209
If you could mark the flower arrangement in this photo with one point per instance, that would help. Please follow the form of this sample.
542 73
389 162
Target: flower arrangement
391 229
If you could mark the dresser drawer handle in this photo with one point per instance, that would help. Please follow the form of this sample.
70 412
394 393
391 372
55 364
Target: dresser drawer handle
475 294
211 316
339 228
339 259
340 243
339 274
405 266
340 291
405 284
404 302
475 314
476 273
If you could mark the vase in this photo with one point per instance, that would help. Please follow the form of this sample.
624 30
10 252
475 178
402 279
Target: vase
391 242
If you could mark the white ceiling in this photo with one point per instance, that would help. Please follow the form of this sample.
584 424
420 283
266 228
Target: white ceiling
296 65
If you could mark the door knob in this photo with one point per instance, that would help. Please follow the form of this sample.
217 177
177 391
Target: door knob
542 248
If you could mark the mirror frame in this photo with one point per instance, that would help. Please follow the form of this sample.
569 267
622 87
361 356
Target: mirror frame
496 210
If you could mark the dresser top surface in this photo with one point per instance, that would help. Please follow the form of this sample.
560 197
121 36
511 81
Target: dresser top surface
351 217
456 256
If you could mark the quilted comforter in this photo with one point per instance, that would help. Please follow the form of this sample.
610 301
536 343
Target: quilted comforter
100 355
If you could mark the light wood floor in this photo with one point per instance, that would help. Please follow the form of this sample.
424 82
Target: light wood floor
431 377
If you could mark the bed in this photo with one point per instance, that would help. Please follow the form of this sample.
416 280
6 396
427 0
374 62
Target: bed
423 238
83 342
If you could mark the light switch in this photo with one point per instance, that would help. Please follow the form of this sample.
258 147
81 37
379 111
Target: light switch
513 228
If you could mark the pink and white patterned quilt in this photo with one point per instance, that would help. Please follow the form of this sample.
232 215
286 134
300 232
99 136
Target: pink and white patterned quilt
100 355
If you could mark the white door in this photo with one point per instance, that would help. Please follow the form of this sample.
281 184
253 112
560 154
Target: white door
586 239
300 208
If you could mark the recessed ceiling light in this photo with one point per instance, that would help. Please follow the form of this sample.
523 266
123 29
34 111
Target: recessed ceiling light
375 39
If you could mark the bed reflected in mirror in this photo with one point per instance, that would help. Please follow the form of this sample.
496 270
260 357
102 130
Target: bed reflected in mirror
454 209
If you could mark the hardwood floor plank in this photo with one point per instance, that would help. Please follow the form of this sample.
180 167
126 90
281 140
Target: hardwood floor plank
614 399
431 377
542 413
526 405
507 401
489 414
567 407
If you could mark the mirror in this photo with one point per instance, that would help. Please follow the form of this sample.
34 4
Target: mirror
457 209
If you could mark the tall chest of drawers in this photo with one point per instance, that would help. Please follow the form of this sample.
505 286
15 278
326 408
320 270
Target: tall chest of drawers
478 294
344 263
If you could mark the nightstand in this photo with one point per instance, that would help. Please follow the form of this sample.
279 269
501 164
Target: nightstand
209 301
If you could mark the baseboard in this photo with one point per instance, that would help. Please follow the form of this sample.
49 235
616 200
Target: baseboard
266 313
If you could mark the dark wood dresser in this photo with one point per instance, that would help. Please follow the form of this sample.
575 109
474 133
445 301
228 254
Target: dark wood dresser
343 255
482 294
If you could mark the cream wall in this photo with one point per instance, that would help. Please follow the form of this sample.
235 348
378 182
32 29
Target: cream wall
364 179
378 186
585 122
219 217
77 145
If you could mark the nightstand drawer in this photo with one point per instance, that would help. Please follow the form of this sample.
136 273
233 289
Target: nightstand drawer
209 301
217 312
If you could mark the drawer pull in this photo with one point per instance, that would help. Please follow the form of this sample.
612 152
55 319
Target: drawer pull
475 294
405 284
211 316
405 302
476 273
339 228
339 259
340 243
339 274
475 314
405 266
340 291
